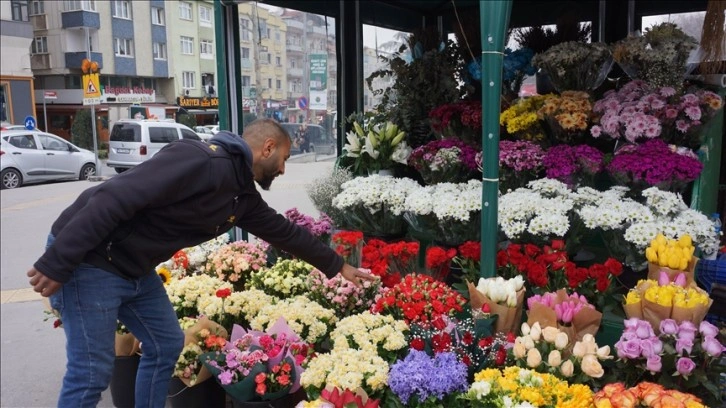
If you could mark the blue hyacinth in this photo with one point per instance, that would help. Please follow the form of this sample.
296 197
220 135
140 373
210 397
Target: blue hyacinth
421 375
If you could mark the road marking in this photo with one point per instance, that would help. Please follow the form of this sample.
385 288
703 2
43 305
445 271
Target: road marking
19 295
42 201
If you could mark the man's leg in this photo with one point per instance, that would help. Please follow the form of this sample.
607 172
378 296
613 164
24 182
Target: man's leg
151 318
88 305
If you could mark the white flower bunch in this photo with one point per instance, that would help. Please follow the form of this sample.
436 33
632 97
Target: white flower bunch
447 201
543 209
197 255
185 293
500 290
374 192
664 202
548 187
367 331
347 369
308 319
288 277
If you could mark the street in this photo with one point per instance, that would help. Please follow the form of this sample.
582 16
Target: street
33 352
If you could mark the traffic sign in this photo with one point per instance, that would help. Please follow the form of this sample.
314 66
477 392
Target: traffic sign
50 95
29 123
302 102
91 86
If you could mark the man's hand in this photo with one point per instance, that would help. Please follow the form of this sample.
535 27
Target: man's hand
356 275
43 284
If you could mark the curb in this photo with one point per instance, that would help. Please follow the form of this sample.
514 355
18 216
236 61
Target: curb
98 178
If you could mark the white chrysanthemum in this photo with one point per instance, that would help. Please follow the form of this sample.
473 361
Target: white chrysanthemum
549 187
664 202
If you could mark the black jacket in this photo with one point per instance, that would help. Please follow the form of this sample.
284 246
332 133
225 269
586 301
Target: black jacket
188 193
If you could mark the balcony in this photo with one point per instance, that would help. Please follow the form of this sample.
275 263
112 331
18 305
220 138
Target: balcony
246 63
316 30
80 19
40 61
40 22
294 47
294 24
74 59
295 72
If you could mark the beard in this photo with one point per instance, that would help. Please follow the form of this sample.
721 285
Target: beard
266 181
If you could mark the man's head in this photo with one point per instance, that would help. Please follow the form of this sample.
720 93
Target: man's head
270 146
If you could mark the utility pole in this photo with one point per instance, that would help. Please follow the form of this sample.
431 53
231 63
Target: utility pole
93 108
257 41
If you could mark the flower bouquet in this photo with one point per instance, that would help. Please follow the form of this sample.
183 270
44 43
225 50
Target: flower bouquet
334 398
683 356
645 394
651 301
308 319
420 380
346 369
284 279
189 261
573 165
223 307
468 259
390 261
366 331
323 189
125 343
374 204
203 337
575 66
341 295
186 293
257 366
521 120
233 262
438 262
549 351
653 163
320 228
448 160
567 116
348 244
246 304
519 387
460 120
572 314
505 299
667 259
519 163
419 298
375 146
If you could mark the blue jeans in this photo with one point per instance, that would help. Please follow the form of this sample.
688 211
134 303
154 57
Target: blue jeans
89 305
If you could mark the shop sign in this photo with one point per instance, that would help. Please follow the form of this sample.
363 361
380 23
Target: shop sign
124 94
196 102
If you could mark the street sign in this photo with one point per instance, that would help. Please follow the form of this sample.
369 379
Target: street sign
91 101
29 123
302 103
50 95
91 86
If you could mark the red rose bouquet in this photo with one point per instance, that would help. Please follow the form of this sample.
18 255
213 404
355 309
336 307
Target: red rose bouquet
390 261
438 261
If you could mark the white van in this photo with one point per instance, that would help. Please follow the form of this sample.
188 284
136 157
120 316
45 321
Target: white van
133 141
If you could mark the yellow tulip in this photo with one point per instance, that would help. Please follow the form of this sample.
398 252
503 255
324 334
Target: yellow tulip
674 261
684 264
685 241
651 255
661 238
663 259
632 298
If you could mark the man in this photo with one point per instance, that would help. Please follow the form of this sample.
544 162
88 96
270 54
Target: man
99 262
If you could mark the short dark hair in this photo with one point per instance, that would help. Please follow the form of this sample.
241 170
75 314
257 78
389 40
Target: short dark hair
259 129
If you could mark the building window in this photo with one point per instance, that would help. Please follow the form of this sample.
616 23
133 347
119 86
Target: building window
277 35
245 53
206 49
205 16
157 16
5 102
122 9
279 84
269 83
124 47
185 10
75 5
246 80
159 51
187 45
188 79
39 45
244 29
269 58
278 61
37 7
20 10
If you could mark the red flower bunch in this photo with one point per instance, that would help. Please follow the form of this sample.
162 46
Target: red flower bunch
438 261
180 260
469 260
467 113
390 261
348 399
419 298
549 269
348 244
277 379
223 293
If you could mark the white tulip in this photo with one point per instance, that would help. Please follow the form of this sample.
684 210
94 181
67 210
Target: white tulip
561 340
525 329
554 359
603 353
550 333
535 332
518 282
579 350
512 299
528 342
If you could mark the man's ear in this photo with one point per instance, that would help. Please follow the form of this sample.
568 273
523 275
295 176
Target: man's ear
268 147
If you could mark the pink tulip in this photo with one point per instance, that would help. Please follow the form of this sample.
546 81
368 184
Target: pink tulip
680 280
663 279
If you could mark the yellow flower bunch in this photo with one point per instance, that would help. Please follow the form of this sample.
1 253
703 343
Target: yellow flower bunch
308 319
521 118
346 369
370 331
571 110
671 294
670 253
633 297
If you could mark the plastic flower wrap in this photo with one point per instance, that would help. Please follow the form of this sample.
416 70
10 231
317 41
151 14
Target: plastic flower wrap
188 261
185 293
521 120
505 299
284 279
573 165
519 163
572 314
346 369
335 398
348 244
422 380
448 160
308 319
419 298
374 204
202 337
341 295
324 188
233 262
651 301
390 261
575 65
381 334
438 262
567 116
645 394
684 356
519 387
671 257
549 350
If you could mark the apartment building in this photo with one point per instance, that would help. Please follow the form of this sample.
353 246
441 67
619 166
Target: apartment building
16 78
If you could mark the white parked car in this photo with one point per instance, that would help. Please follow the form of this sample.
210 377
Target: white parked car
32 156
213 128
204 132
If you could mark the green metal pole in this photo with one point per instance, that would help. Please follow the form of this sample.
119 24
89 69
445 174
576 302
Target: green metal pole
494 20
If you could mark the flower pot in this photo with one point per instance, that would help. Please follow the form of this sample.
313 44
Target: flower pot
208 393
288 401
123 381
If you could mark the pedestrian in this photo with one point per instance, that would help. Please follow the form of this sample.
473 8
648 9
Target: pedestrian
304 139
100 259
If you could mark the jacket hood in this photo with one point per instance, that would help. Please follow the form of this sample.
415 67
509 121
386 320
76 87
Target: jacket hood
236 146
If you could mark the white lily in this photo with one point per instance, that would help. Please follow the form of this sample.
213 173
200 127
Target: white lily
400 155
353 147
368 148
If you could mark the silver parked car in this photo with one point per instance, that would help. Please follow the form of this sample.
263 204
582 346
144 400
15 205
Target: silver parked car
31 156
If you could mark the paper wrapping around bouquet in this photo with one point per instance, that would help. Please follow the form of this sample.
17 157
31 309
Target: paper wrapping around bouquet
190 336
508 319
126 345
654 313
586 321
655 270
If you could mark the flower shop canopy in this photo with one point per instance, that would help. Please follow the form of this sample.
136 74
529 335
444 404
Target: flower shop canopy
611 20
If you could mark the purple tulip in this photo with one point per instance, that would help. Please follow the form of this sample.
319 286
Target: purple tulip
654 364
713 347
629 349
680 280
685 366
684 344
707 329
668 326
663 279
